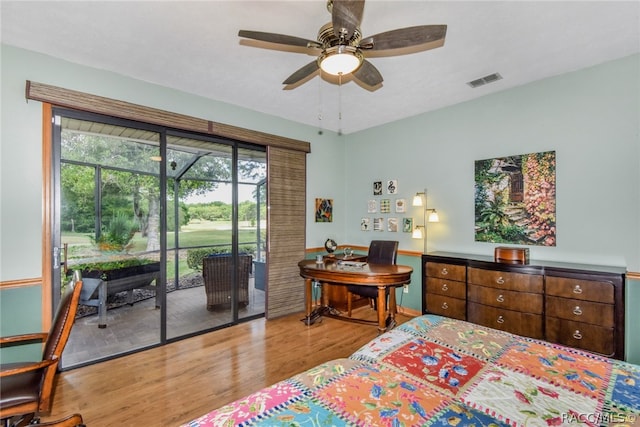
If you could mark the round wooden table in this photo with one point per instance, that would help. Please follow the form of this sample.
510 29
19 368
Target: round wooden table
338 273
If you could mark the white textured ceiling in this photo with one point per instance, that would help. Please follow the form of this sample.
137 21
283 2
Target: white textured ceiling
194 47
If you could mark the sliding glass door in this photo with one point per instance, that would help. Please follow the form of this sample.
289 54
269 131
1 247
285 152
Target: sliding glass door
213 232
165 228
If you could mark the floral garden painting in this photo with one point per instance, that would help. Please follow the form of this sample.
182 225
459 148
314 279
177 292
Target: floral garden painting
515 199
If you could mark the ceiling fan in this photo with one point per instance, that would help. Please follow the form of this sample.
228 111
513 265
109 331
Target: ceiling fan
341 50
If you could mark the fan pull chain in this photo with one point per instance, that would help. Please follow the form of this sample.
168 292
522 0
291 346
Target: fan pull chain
340 104
320 103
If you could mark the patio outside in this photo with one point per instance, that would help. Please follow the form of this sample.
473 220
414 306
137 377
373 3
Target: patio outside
137 223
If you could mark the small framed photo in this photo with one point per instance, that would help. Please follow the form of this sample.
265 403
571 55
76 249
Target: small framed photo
378 224
372 206
377 188
392 225
401 205
392 186
385 206
324 210
365 224
407 225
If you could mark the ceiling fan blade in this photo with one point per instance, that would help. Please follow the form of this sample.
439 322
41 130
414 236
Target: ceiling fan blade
368 74
346 16
279 39
302 73
433 35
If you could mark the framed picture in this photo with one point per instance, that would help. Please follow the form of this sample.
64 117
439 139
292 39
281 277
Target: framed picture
392 225
378 224
365 224
324 210
377 188
392 186
407 225
385 206
401 205
372 206
515 199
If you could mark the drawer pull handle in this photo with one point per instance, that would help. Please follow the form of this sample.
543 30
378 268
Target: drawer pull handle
577 289
577 335
444 271
500 298
445 306
500 281
445 287
577 311
500 319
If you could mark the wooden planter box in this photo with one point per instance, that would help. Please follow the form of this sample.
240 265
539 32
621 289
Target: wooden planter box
97 285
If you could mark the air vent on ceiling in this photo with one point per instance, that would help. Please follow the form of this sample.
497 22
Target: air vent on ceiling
485 80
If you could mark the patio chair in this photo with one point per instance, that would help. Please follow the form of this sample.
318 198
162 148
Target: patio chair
26 388
217 272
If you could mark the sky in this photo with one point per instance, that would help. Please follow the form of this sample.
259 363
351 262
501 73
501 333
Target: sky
223 193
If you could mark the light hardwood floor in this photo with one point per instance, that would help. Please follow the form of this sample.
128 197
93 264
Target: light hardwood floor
173 384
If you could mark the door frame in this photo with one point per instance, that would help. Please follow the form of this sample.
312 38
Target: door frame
277 147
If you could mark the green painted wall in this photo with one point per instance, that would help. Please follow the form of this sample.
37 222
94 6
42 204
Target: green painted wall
589 117
20 314
632 327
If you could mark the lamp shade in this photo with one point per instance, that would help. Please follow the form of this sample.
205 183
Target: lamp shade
433 216
340 63
340 60
417 200
417 232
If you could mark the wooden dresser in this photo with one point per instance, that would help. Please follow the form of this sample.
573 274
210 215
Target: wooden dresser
446 285
571 304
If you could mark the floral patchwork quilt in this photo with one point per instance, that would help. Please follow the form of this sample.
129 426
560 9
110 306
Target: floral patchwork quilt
436 371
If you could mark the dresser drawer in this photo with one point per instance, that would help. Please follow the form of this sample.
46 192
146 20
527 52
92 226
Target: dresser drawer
590 290
511 300
447 306
580 311
581 335
526 324
446 271
446 287
505 280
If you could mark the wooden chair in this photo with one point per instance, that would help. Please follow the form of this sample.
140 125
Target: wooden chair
380 252
26 388
74 420
217 272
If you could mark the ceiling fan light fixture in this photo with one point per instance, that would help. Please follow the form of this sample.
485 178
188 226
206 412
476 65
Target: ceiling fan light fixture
340 59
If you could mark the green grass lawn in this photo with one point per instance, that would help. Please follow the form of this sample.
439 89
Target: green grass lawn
195 234
200 233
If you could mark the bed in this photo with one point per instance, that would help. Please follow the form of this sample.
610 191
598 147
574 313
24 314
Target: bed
439 371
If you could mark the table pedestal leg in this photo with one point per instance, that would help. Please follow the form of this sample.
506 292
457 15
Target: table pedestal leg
308 296
382 303
391 321
313 315
308 301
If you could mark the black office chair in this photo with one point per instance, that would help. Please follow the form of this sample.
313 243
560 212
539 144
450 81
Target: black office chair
380 252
